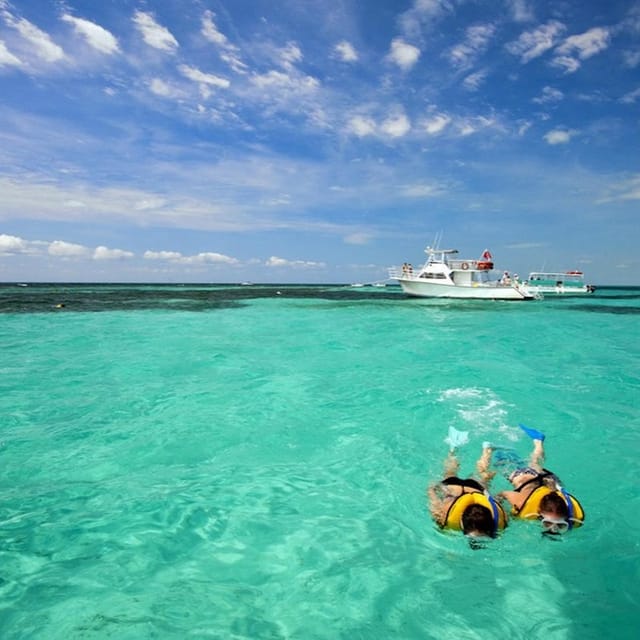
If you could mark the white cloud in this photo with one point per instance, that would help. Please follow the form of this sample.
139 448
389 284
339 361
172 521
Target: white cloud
44 47
346 51
586 44
229 52
533 44
626 190
361 126
436 123
290 55
523 127
203 78
103 253
476 42
208 257
631 97
62 249
211 32
234 62
359 238
581 47
274 261
7 59
631 58
149 203
469 126
421 190
520 10
403 54
162 88
154 34
559 136
396 125
569 64
549 94
162 255
475 80
97 37
10 245
423 12
283 80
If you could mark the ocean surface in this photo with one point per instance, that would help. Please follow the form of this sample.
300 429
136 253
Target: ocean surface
249 462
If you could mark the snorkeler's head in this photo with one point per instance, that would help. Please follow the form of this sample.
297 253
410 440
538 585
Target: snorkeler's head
553 514
477 520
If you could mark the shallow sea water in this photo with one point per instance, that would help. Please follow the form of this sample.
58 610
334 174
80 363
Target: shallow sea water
251 462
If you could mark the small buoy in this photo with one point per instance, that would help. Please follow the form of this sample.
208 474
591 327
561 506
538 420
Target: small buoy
278 293
60 305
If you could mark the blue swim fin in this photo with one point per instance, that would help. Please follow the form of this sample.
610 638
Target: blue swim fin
532 433
456 438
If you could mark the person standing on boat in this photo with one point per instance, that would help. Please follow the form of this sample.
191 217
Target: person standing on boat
538 493
464 504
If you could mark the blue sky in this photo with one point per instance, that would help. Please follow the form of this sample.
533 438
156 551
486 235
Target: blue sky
316 140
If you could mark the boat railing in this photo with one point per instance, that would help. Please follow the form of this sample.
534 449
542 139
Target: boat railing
401 272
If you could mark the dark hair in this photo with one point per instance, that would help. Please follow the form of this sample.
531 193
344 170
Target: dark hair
554 503
477 518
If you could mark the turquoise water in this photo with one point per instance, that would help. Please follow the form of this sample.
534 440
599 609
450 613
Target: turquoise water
251 462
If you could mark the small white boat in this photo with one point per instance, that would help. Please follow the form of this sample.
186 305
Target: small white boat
444 276
570 283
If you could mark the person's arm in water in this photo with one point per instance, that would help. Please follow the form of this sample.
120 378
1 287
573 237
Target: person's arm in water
436 504
438 498
514 498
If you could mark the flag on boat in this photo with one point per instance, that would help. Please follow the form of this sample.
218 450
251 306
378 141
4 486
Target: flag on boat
487 255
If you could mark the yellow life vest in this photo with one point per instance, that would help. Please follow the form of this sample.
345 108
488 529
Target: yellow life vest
453 519
531 506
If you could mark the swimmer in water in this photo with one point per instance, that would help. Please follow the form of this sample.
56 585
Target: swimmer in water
538 493
464 504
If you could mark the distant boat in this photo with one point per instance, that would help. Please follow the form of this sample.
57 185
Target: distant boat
443 276
357 284
246 284
569 283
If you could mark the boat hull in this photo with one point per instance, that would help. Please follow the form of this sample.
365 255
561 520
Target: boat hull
476 291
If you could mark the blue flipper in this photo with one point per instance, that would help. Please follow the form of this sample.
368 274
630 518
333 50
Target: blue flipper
456 438
532 433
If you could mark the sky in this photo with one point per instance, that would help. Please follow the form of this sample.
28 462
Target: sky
316 141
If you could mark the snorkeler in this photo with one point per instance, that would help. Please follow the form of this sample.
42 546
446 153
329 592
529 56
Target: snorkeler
465 504
538 493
